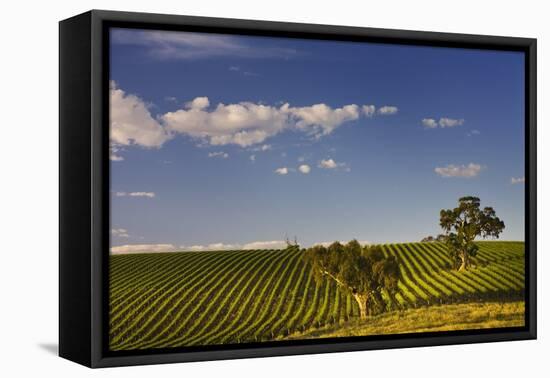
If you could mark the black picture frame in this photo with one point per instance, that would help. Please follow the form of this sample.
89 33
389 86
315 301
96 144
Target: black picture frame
84 186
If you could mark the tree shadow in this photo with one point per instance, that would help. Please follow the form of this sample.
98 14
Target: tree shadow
51 348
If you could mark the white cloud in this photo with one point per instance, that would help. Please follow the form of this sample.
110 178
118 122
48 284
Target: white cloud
113 153
244 124
444 122
450 122
148 248
321 119
388 110
517 180
135 194
142 248
198 103
331 164
429 123
301 159
142 194
234 68
220 154
114 157
211 247
120 232
175 45
132 123
328 164
326 244
304 168
368 110
252 158
281 171
466 171
272 244
262 148
474 132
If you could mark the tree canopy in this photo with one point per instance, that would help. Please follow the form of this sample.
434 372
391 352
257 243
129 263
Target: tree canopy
364 272
463 224
431 239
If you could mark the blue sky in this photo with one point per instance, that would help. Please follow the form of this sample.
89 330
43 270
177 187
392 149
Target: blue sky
236 142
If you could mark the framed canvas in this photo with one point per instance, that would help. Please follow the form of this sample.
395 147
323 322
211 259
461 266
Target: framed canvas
234 188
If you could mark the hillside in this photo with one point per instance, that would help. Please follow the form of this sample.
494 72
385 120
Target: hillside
448 317
199 298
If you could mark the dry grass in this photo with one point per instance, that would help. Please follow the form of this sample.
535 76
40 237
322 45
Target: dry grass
428 319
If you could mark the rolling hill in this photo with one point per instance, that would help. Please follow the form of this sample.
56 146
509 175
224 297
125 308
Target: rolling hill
176 299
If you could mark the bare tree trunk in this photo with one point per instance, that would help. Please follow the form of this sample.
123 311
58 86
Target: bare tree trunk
465 262
362 301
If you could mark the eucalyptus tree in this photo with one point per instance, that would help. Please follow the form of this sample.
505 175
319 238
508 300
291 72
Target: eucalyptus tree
463 224
363 272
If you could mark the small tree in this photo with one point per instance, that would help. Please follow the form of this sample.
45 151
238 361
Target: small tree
441 238
287 241
364 272
463 224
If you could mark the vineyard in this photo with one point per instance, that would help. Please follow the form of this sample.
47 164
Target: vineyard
160 300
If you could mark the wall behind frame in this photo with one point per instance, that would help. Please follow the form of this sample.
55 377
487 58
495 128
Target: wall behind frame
30 177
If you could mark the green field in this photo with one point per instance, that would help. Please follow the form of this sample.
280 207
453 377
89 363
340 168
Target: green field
198 298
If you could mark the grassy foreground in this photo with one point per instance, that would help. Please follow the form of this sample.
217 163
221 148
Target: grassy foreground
449 317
